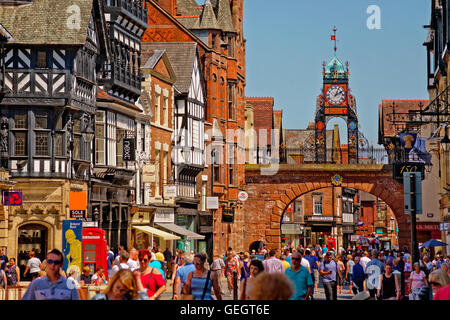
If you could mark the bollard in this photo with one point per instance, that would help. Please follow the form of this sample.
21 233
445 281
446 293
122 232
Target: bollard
235 289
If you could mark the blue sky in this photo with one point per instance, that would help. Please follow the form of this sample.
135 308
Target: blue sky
287 40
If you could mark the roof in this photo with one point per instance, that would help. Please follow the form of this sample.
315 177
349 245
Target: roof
188 8
105 97
152 58
46 22
223 13
208 18
386 127
181 56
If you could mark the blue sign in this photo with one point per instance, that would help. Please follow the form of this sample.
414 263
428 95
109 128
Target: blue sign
72 248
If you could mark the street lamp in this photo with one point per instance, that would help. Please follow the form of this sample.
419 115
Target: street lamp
88 134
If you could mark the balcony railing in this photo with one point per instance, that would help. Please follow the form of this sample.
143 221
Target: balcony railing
436 112
136 8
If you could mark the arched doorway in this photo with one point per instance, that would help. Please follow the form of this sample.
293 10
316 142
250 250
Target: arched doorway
256 245
31 237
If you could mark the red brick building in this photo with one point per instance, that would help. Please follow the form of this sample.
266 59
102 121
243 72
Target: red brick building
217 28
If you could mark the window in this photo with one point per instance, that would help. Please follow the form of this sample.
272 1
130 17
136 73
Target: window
298 209
165 113
157 108
100 136
231 99
157 170
20 121
216 173
213 41
231 46
165 167
317 200
77 147
42 59
41 121
59 144
20 143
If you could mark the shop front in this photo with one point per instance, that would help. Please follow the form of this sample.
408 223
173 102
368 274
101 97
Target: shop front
291 235
36 225
427 231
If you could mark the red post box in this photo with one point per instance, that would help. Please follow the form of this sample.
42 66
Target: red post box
94 249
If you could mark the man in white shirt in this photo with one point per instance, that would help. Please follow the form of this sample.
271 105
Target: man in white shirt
133 261
33 266
123 258
273 265
364 260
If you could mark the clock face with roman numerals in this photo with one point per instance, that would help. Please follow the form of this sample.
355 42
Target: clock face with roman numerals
335 95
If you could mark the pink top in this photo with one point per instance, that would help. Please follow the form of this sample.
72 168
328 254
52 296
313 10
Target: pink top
443 293
273 265
417 279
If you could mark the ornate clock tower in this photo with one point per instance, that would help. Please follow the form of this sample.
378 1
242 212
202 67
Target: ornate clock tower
336 101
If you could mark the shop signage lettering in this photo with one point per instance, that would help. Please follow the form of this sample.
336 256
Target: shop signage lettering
321 218
428 227
128 149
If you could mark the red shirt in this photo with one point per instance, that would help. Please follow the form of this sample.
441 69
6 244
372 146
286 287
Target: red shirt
156 282
443 293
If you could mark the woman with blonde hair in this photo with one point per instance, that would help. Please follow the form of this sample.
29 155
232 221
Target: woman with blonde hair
271 286
438 279
124 285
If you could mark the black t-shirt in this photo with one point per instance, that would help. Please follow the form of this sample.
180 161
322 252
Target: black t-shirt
86 279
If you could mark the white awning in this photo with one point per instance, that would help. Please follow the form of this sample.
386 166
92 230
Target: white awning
180 230
156 232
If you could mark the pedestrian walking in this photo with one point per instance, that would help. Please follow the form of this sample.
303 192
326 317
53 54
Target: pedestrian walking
349 272
284 262
151 277
133 261
157 261
168 258
373 270
273 265
364 260
216 267
418 284
271 286
123 258
200 281
33 266
231 264
244 265
329 271
314 266
389 288
340 279
3 280
53 286
12 273
256 267
109 261
182 273
3 259
124 285
300 278
117 258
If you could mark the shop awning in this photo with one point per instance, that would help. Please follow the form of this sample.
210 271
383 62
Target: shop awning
180 230
156 232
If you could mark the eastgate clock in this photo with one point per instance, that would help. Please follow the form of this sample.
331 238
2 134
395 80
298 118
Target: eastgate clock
335 95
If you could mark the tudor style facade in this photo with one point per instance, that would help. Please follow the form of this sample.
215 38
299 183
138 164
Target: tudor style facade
48 106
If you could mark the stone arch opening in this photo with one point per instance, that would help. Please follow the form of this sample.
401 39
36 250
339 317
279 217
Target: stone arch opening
32 236
255 245
329 216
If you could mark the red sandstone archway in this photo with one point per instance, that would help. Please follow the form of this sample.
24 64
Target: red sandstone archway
269 195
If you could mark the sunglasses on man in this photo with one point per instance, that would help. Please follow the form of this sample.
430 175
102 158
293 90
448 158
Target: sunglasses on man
57 262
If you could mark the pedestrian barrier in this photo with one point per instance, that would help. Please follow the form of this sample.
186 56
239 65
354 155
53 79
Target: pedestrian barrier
16 293
12 293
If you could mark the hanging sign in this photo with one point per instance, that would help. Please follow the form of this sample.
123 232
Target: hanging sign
128 149
228 215
78 205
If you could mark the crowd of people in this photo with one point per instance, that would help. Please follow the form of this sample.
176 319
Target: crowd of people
281 274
